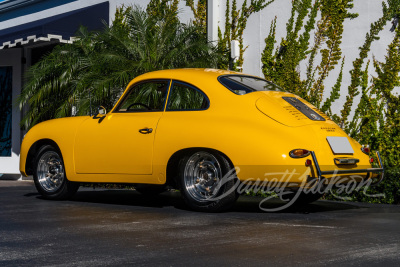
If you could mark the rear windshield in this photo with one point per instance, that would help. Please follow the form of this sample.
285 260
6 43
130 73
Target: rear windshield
241 84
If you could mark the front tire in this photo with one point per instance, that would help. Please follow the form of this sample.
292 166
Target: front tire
49 175
207 181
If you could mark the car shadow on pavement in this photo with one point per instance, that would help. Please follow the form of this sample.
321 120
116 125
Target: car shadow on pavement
245 204
128 197
252 204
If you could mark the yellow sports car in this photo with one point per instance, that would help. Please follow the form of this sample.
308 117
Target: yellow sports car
206 132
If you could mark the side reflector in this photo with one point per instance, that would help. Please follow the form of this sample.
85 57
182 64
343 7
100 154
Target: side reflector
299 153
308 162
371 160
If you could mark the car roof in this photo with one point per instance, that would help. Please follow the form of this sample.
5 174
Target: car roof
186 73
202 78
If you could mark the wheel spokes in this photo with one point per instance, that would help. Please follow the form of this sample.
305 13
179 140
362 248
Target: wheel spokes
50 171
202 176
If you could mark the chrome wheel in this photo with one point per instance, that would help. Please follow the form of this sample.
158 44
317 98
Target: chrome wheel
202 175
50 171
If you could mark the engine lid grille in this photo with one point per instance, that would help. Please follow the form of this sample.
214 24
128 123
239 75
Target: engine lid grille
303 108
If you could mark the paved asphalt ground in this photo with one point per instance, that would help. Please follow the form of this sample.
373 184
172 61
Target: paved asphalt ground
121 227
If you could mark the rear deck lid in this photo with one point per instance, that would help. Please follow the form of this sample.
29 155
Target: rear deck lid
289 109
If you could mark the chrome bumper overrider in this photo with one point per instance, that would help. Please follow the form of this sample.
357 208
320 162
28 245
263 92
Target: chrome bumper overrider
320 173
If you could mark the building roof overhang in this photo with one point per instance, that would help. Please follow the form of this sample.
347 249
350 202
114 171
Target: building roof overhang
62 27
8 5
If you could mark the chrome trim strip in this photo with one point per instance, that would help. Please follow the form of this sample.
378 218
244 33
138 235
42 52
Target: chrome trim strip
383 169
316 165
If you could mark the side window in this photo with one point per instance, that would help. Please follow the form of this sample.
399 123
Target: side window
186 97
145 97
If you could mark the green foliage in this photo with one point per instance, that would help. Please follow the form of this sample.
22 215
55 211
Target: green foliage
281 65
235 24
55 82
200 14
333 15
335 93
98 66
377 119
163 10
387 192
356 73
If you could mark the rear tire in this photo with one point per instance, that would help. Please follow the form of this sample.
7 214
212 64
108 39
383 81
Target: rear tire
49 175
204 186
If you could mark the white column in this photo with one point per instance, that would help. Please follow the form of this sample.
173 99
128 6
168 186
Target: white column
212 19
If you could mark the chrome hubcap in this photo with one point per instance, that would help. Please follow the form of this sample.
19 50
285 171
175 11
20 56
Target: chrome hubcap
202 175
50 171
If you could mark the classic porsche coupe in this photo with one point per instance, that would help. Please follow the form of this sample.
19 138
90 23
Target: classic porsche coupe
203 131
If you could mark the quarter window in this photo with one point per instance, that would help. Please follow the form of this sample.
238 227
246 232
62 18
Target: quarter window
186 97
145 97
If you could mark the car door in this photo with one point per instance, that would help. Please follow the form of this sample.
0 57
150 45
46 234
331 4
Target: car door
121 142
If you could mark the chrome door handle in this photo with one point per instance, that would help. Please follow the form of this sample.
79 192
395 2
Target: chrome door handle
146 130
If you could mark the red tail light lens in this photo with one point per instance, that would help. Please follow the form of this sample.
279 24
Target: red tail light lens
365 149
308 162
299 153
371 160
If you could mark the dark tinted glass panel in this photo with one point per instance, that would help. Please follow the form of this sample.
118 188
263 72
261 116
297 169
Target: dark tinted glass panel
5 111
186 97
148 96
241 84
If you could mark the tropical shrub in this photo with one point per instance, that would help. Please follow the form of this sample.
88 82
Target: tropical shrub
387 192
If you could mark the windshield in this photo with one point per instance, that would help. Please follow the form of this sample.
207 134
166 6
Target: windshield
241 84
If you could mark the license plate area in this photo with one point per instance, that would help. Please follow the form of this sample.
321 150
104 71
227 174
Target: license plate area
340 145
346 161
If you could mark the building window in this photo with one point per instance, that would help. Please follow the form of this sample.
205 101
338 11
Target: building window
5 111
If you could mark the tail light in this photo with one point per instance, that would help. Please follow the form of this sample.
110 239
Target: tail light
299 153
308 162
366 149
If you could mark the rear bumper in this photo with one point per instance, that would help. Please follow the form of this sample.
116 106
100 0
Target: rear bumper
369 171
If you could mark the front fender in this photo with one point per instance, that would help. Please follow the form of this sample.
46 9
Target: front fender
61 132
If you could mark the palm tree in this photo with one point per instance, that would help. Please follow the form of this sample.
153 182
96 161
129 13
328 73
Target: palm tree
99 65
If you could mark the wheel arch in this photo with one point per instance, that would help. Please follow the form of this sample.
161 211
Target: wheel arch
34 149
172 171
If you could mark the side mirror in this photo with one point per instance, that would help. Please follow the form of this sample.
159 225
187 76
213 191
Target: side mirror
101 113
102 110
